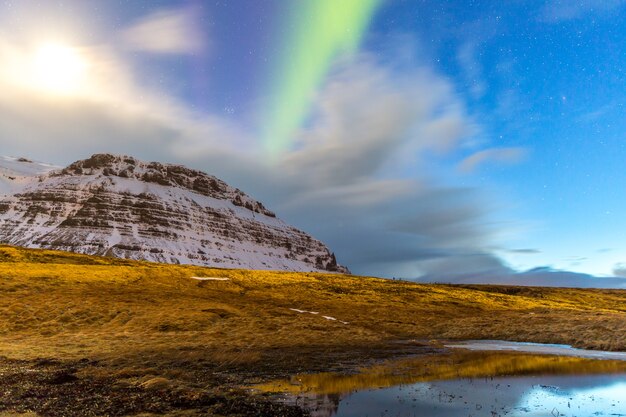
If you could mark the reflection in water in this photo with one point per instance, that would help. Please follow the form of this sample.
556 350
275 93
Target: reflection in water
512 397
454 365
466 384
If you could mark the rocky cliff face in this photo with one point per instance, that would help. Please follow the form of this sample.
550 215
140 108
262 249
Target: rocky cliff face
119 206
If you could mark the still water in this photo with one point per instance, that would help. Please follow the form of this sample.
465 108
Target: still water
582 396
513 381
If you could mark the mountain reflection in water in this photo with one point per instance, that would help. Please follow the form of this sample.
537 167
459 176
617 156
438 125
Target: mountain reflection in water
465 383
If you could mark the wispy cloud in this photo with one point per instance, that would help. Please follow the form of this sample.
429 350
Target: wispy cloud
168 31
524 251
555 11
365 114
493 155
620 270
110 111
468 59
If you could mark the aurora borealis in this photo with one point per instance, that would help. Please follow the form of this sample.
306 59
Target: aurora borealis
316 33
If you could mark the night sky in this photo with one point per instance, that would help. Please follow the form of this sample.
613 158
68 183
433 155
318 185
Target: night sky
446 140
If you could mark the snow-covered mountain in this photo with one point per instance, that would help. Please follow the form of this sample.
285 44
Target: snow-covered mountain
119 206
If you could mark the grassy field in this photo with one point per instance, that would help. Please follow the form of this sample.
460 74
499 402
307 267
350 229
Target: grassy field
139 322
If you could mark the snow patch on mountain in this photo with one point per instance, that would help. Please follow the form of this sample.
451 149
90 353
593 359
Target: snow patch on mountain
15 173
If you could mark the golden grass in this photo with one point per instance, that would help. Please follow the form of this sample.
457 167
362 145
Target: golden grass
68 306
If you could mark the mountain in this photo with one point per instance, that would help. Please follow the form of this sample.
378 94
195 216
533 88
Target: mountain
119 206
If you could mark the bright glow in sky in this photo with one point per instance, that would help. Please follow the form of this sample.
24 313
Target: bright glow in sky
58 69
449 140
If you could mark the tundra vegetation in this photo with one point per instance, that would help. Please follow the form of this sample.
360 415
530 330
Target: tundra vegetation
84 335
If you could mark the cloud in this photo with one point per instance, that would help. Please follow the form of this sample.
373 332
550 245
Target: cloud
365 113
498 155
620 270
555 11
391 235
524 251
109 112
167 31
472 69
477 267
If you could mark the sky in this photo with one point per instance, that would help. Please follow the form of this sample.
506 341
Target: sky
453 141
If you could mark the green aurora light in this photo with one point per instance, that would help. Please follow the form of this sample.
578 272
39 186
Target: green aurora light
318 32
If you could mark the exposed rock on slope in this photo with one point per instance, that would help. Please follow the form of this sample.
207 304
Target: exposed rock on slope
119 206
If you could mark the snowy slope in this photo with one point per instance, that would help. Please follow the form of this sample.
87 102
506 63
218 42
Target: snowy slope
119 206
17 172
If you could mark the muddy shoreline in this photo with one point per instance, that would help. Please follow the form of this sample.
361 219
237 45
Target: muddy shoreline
51 387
